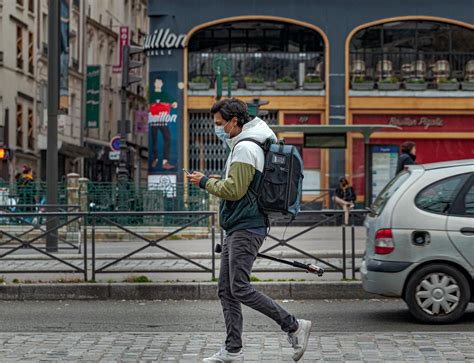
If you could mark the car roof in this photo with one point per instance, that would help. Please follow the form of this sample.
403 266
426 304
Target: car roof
444 164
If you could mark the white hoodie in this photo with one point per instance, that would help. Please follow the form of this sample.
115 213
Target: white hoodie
247 151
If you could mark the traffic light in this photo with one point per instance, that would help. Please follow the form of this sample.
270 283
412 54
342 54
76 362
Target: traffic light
128 63
4 154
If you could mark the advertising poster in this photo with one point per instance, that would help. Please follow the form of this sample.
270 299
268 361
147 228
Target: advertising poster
163 118
384 166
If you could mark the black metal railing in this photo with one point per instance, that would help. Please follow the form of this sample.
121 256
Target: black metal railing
90 224
268 66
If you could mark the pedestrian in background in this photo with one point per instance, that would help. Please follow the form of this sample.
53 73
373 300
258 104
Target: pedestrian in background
408 155
246 229
345 197
25 190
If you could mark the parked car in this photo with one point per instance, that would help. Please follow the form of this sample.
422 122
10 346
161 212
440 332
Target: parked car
420 240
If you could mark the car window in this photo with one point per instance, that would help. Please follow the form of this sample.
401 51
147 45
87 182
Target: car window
388 191
439 197
469 202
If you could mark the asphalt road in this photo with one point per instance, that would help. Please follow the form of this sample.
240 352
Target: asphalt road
205 316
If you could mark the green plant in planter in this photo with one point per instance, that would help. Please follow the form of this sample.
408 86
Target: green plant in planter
254 79
391 79
360 80
200 79
225 79
448 80
285 80
312 78
416 80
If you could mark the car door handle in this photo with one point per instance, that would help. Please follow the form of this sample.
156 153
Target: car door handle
468 231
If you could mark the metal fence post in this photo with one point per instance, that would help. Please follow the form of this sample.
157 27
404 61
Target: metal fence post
353 245
343 252
213 252
93 248
85 246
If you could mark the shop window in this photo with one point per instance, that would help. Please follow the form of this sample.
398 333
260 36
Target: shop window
31 135
438 198
259 52
31 66
430 53
19 125
19 47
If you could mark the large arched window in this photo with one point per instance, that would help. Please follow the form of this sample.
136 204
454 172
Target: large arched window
260 52
400 54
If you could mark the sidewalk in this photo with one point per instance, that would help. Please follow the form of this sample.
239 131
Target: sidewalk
258 347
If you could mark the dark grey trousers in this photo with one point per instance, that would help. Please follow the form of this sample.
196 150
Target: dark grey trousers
238 255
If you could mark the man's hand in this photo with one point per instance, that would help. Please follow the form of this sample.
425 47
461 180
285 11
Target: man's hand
195 177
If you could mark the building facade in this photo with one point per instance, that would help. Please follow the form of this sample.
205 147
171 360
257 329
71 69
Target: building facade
328 62
18 20
105 20
90 36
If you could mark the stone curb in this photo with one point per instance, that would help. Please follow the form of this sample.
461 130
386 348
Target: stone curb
179 291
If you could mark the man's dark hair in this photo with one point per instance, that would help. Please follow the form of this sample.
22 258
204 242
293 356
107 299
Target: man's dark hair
230 108
408 146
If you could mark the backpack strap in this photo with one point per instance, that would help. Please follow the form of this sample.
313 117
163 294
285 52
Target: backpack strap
262 145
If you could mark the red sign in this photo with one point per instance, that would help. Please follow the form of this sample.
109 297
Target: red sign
420 123
302 119
123 40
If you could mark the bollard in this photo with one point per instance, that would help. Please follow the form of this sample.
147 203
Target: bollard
83 195
72 198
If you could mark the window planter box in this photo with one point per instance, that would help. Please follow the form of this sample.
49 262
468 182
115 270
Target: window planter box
289 86
363 86
315 86
448 86
416 86
199 86
235 85
388 86
467 86
256 86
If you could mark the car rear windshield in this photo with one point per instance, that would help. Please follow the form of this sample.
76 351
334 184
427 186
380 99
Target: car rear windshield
388 191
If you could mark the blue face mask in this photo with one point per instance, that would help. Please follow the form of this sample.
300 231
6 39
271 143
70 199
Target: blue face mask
220 133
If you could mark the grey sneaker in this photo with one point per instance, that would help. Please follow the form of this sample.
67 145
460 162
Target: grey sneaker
299 339
223 356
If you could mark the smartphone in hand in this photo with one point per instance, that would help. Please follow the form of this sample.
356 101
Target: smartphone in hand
187 172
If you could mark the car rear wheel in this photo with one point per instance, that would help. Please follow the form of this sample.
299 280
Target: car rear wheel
437 293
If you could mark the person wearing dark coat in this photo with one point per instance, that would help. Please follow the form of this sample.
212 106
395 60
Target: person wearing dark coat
408 155
345 197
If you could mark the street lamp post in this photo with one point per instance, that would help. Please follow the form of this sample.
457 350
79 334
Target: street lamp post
53 106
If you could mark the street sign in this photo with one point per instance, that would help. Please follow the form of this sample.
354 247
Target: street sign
115 143
114 155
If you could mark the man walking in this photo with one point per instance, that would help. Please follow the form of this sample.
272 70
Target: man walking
246 229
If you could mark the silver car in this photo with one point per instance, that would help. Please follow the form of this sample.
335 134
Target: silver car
420 240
